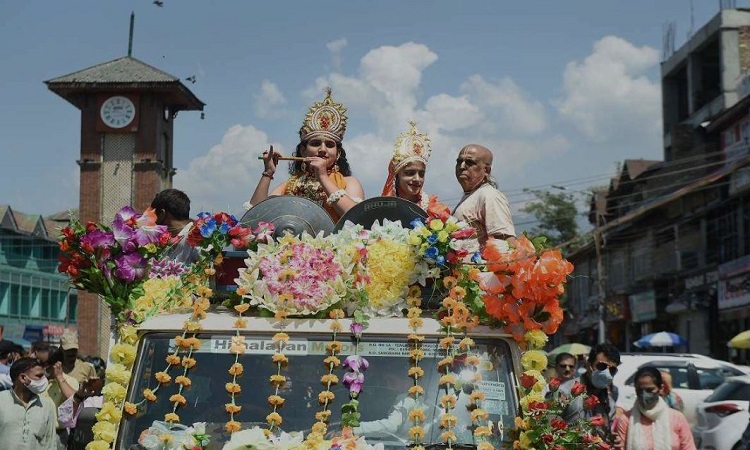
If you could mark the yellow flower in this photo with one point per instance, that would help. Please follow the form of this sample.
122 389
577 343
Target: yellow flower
436 224
114 392
238 345
448 401
173 360
415 291
150 247
323 416
104 431
334 346
534 360
416 432
171 417
449 379
109 413
416 323
415 337
129 334
483 431
117 373
183 380
326 396
329 378
188 362
276 400
478 414
448 420
233 388
337 314
524 441
277 380
536 339
332 361
130 408
443 236
415 372
280 337
417 415
484 445
416 355
123 354
466 343
242 308
240 323
416 391
448 436
280 358
192 326
98 445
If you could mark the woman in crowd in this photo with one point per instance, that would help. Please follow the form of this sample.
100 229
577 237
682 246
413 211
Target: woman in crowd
651 424
407 168
324 175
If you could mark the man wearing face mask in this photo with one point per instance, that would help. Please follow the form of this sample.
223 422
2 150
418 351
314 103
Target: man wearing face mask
652 424
27 419
601 367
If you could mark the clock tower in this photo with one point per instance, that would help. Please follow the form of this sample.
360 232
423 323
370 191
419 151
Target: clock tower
127 121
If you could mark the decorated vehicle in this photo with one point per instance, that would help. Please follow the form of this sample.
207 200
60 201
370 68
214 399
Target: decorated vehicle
392 334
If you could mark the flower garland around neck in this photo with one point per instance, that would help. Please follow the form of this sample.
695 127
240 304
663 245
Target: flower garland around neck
236 370
416 414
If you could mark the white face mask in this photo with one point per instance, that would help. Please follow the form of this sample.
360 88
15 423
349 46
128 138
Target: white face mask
38 386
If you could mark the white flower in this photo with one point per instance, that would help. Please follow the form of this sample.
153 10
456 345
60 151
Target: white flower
150 442
199 427
251 438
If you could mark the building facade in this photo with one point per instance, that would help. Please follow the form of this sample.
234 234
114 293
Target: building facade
675 234
36 302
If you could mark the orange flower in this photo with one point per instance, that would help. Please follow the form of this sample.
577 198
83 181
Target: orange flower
326 396
414 312
448 436
280 358
479 414
319 429
232 426
448 401
276 400
181 342
415 291
233 388
274 419
449 379
466 343
447 361
191 326
130 408
173 360
188 362
238 345
416 372
323 416
476 396
447 342
163 377
280 337
416 391
183 380
448 420
417 415
415 337
178 398
458 292
416 323
171 417
416 433
242 308
334 346
449 282
236 369
337 314
332 361
336 327
149 395
277 380
482 432
204 291
241 291
240 323
329 379
232 408
416 355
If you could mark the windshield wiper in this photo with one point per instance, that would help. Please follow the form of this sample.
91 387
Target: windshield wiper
445 445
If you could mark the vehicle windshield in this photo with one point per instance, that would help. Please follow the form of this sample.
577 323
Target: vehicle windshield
384 405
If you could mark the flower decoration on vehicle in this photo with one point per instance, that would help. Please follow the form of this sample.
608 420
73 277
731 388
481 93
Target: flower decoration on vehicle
541 424
354 378
301 276
280 360
112 261
444 242
523 292
257 438
417 414
379 288
169 436
236 370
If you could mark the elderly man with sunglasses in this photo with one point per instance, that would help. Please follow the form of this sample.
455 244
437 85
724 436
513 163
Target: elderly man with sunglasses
601 368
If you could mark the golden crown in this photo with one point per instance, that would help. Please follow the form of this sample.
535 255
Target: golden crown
326 118
410 146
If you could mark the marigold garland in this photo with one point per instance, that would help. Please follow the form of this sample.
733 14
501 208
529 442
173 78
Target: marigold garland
237 348
416 414
278 380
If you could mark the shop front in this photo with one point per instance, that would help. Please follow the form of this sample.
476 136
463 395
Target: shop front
734 302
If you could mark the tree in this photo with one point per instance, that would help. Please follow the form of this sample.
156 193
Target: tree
556 214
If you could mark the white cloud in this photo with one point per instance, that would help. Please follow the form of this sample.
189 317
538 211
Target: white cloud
509 106
335 47
269 101
609 98
226 176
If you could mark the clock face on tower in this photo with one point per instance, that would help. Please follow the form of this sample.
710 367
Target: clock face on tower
117 112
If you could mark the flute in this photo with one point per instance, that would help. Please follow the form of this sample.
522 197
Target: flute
287 158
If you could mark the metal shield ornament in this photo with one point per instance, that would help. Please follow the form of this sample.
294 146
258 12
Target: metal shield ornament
289 213
379 208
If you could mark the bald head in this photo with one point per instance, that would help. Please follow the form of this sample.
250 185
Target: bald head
473 166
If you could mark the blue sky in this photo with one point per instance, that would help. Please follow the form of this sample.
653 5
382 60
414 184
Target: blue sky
559 90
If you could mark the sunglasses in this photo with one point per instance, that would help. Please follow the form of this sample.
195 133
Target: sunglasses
566 366
600 366
318 142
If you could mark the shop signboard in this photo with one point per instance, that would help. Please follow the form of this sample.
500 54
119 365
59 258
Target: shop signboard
643 306
734 283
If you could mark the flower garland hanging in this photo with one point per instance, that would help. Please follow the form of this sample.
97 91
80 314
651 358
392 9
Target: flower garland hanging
277 380
354 378
236 370
415 340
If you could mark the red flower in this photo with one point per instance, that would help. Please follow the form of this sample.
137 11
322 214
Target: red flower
578 388
223 217
554 383
164 239
528 381
463 233
558 423
240 236
69 233
87 247
90 226
590 402
588 438
597 420
548 439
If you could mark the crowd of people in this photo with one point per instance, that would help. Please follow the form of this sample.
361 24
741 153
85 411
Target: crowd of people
655 422
43 392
